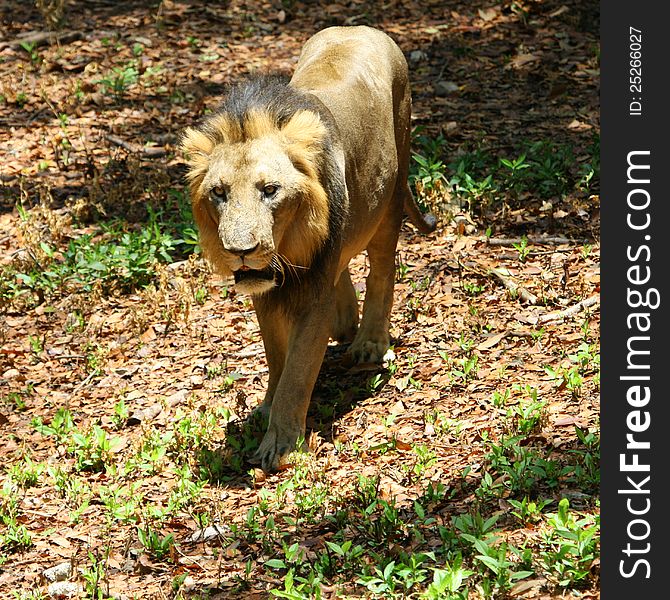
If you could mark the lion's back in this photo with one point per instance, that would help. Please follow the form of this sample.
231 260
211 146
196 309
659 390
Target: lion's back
338 56
360 75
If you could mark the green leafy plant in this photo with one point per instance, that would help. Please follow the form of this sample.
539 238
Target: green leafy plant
494 555
466 369
528 414
31 49
122 502
93 449
448 581
60 427
527 511
500 399
15 536
27 473
514 178
573 546
374 383
158 546
522 248
115 259
95 575
519 468
121 414
119 79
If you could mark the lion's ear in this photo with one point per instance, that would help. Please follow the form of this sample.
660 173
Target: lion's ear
195 142
197 147
305 130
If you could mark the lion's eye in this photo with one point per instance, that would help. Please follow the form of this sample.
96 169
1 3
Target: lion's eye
270 189
218 193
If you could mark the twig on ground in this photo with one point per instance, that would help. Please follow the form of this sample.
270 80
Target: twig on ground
84 383
504 277
531 240
40 38
514 288
572 310
152 151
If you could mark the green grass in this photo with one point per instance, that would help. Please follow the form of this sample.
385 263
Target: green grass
358 523
117 258
480 179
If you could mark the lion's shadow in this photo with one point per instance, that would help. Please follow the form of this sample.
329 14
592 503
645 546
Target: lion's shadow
339 389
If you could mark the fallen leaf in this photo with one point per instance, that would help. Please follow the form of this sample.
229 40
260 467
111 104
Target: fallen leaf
400 445
577 125
491 341
488 14
521 60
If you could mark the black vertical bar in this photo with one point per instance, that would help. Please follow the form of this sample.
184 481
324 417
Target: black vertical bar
635 163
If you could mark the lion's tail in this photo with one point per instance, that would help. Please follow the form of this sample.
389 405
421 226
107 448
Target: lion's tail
425 223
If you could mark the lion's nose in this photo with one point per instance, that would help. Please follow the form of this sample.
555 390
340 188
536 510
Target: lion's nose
242 251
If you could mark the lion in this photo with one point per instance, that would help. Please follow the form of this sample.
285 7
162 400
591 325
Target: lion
289 180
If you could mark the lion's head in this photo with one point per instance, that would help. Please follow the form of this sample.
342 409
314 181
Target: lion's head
256 188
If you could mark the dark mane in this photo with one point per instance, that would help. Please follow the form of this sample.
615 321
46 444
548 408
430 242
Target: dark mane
268 93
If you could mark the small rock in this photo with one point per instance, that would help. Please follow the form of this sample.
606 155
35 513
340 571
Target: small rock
64 589
444 88
60 572
177 398
197 381
259 477
450 127
527 585
417 56
145 41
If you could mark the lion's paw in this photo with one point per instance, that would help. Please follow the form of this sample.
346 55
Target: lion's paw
260 416
367 351
275 447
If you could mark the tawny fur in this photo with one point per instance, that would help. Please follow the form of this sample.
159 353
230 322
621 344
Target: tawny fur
288 183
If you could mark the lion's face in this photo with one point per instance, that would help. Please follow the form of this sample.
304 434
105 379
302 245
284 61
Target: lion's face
252 192
257 200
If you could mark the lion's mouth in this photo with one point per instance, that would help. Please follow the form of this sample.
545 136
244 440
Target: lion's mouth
247 275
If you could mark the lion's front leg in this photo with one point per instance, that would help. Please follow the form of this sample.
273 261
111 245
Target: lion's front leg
274 331
345 322
307 341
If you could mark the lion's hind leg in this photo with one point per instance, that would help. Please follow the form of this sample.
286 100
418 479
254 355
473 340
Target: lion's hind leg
373 340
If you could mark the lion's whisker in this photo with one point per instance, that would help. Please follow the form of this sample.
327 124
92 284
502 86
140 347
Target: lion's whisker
290 264
282 263
277 265
285 265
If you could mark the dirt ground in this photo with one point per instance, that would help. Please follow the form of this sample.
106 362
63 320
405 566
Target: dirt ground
483 76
